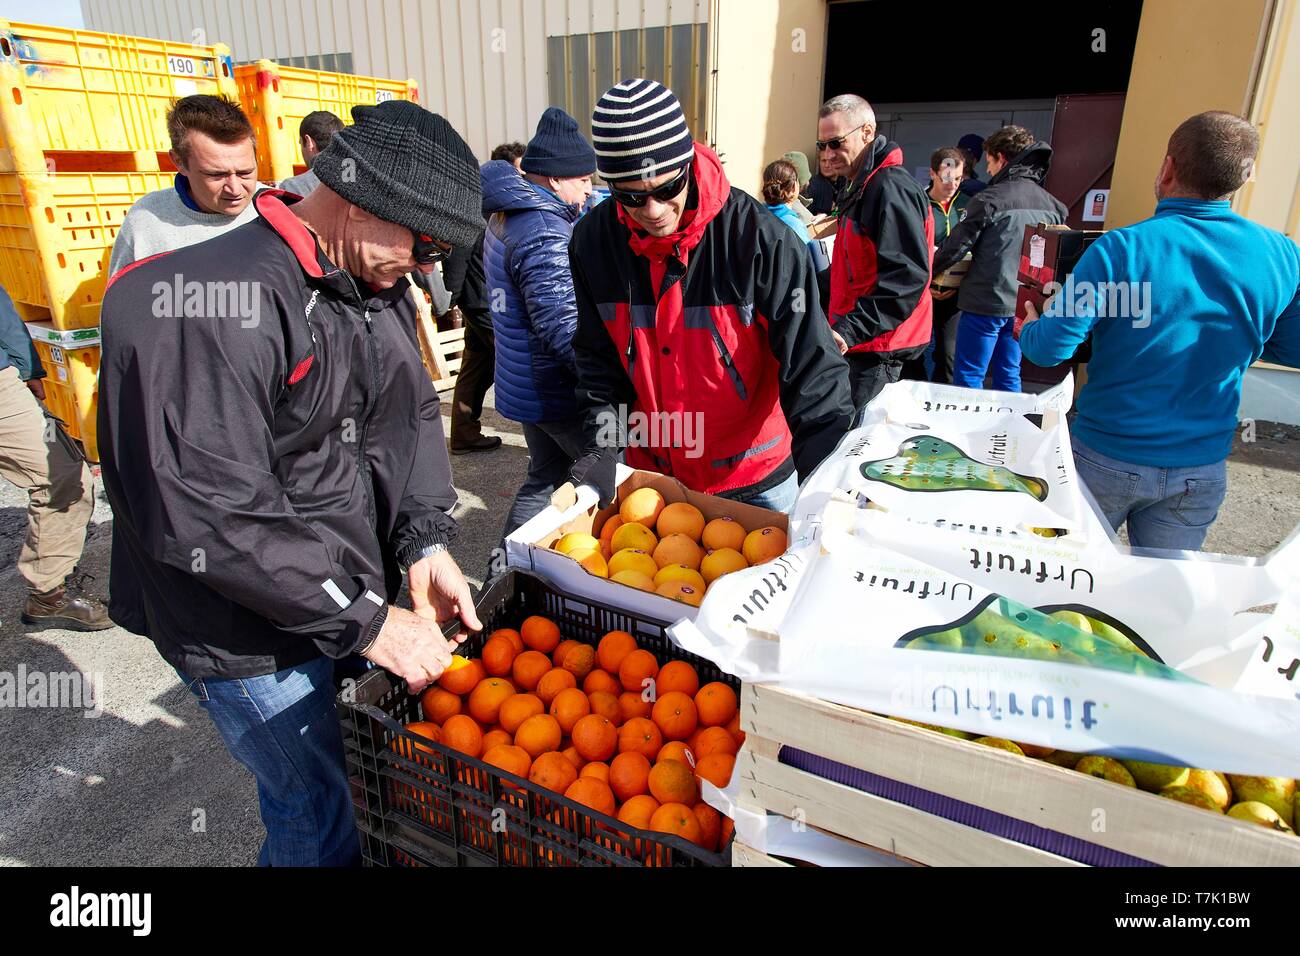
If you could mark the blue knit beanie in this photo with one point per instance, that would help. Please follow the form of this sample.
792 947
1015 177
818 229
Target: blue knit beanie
558 149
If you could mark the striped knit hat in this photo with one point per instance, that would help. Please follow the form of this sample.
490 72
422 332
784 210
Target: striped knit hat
639 131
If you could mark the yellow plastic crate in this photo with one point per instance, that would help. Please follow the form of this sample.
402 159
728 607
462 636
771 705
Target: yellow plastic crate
56 232
277 99
71 362
69 92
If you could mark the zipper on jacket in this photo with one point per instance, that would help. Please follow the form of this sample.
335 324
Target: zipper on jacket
732 372
363 469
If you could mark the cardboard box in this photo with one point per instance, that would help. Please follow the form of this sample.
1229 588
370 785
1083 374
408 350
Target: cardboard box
936 800
1049 253
575 510
823 227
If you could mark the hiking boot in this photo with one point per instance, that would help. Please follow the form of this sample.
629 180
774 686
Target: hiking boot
483 443
67 607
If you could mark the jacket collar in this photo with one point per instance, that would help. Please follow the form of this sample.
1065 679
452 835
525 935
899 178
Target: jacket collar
710 188
880 153
1196 208
1031 163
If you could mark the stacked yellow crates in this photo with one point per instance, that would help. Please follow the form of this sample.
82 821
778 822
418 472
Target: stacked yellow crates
83 135
277 98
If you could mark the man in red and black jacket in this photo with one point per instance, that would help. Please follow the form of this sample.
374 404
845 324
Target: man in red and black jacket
880 304
699 321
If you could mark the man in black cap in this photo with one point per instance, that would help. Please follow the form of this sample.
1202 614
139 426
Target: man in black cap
273 452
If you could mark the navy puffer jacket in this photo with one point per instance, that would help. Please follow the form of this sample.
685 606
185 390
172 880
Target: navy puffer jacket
530 291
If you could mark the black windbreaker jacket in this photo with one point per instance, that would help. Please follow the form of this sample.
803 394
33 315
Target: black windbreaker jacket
272 449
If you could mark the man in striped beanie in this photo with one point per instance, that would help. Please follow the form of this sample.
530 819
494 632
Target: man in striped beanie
699 320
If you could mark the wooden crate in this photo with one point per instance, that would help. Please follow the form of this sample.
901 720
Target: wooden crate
940 801
747 856
441 351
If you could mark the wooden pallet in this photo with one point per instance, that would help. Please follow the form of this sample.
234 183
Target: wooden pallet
440 351
1121 819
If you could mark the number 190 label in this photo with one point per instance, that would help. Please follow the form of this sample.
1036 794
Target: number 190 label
182 65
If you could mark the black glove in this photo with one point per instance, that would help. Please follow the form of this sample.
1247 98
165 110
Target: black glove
598 470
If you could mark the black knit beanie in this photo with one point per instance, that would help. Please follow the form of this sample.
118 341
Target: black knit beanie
558 149
639 131
408 166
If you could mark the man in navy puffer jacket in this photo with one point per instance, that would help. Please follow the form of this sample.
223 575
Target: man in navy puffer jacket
530 290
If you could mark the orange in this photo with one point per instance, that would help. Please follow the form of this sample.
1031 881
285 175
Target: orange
632 704
634 579
571 754
576 541
728 831
633 559
642 736
439 704
680 518
612 524
677 675
579 661
716 768
421 728
637 668
498 654
733 727
605 705
539 734
595 737
677 750
486 699
763 545
678 549
463 679
723 533
592 561
681 591
715 740
517 708
710 826
557 658
716 704
496 737
676 819
679 572
642 506
540 633
554 681
671 781
613 647
629 775
601 681
638 811
553 771
509 758
633 537
720 562
512 635
674 715
694 739
592 793
528 669
596 768
569 706
462 734
606 553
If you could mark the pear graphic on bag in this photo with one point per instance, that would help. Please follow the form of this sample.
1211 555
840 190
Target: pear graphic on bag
932 464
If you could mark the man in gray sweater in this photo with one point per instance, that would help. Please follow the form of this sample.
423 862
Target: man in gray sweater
314 134
214 148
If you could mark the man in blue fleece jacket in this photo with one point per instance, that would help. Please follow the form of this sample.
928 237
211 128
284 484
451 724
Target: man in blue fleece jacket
1179 306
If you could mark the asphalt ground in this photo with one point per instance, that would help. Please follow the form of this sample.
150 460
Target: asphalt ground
126 787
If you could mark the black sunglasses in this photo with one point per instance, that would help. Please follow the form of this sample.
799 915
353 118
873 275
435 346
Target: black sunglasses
838 141
667 191
426 251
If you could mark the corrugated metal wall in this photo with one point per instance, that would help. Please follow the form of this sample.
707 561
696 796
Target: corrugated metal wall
481 63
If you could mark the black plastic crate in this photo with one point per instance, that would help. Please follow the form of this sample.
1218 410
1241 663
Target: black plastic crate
438 807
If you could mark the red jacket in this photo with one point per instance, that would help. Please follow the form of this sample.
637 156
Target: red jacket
714 325
880 272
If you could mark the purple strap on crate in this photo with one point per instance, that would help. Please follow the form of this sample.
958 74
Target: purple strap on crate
958 811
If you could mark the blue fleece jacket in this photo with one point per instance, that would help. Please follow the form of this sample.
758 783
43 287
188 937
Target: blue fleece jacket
1216 292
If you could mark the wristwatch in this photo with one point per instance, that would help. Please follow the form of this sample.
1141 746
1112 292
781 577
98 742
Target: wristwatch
417 556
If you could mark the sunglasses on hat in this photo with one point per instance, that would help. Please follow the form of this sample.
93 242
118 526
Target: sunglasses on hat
838 141
427 251
667 191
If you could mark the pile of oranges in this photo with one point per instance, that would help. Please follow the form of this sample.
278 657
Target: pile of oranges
670 549
605 726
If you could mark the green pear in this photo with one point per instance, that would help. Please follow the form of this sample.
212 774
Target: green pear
1252 811
1107 769
1275 792
1108 633
1154 777
947 731
1074 619
1000 743
1034 750
939 640
1189 795
1063 758
1214 785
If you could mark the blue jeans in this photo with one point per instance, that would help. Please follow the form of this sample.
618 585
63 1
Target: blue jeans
985 344
553 447
1167 508
285 729
782 497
